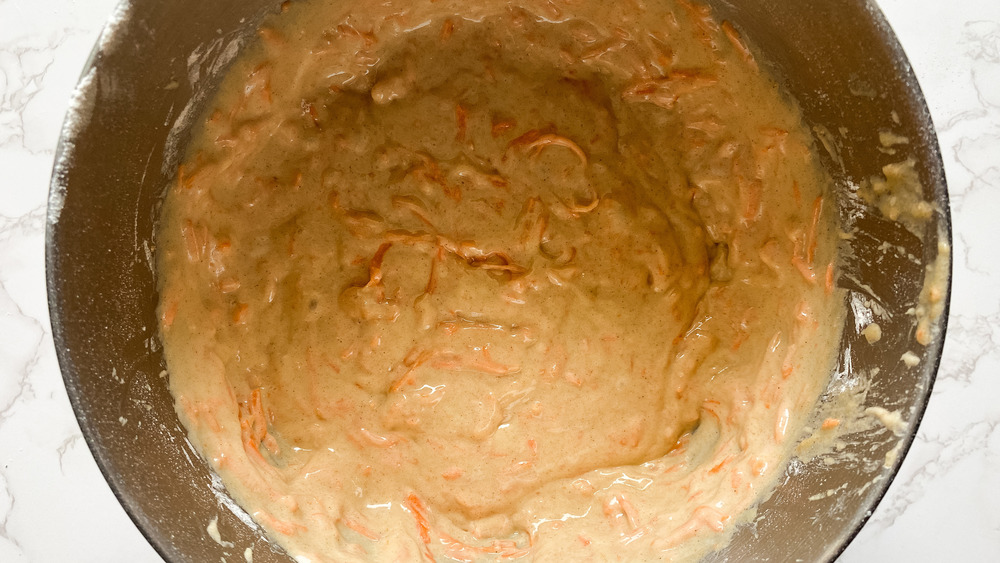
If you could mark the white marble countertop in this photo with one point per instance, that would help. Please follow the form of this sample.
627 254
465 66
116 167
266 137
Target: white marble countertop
943 506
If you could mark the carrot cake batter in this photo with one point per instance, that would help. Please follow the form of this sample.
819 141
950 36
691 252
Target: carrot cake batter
451 280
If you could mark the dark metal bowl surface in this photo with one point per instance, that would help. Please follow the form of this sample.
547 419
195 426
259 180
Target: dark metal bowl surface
838 58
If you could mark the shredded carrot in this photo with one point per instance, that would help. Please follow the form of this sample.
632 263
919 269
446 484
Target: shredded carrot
829 279
452 326
704 23
191 241
665 92
529 137
711 517
609 507
799 261
432 279
375 266
602 49
362 223
334 200
365 436
240 313
811 240
553 140
830 424
415 206
751 192
256 406
504 549
417 239
360 528
787 366
455 362
367 37
462 119
923 333
309 110
184 179
720 465
229 285
262 76
430 171
495 261
416 507
629 510
412 360
168 315
527 220
741 337
708 405
280 526
781 426
737 41
447 29
572 379
501 126
459 551
513 268
576 209
499 182
253 427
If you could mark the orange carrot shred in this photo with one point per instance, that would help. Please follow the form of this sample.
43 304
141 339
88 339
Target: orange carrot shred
447 29
240 313
501 126
813 225
360 528
462 118
168 314
416 507
375 266
552 139
737 41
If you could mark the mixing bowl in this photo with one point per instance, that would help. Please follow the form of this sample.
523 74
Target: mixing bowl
155 67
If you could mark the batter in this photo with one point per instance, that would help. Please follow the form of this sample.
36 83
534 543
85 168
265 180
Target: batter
542 280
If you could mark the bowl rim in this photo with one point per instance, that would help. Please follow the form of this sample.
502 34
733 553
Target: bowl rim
76 116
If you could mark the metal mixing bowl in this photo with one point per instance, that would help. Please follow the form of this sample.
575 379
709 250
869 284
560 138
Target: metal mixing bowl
153 70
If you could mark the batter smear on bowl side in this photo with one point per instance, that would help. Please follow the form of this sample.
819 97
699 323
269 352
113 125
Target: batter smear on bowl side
541 280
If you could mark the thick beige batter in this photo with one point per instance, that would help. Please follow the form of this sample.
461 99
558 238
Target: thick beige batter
481 280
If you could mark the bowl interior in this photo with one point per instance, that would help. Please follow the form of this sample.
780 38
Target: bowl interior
155 68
